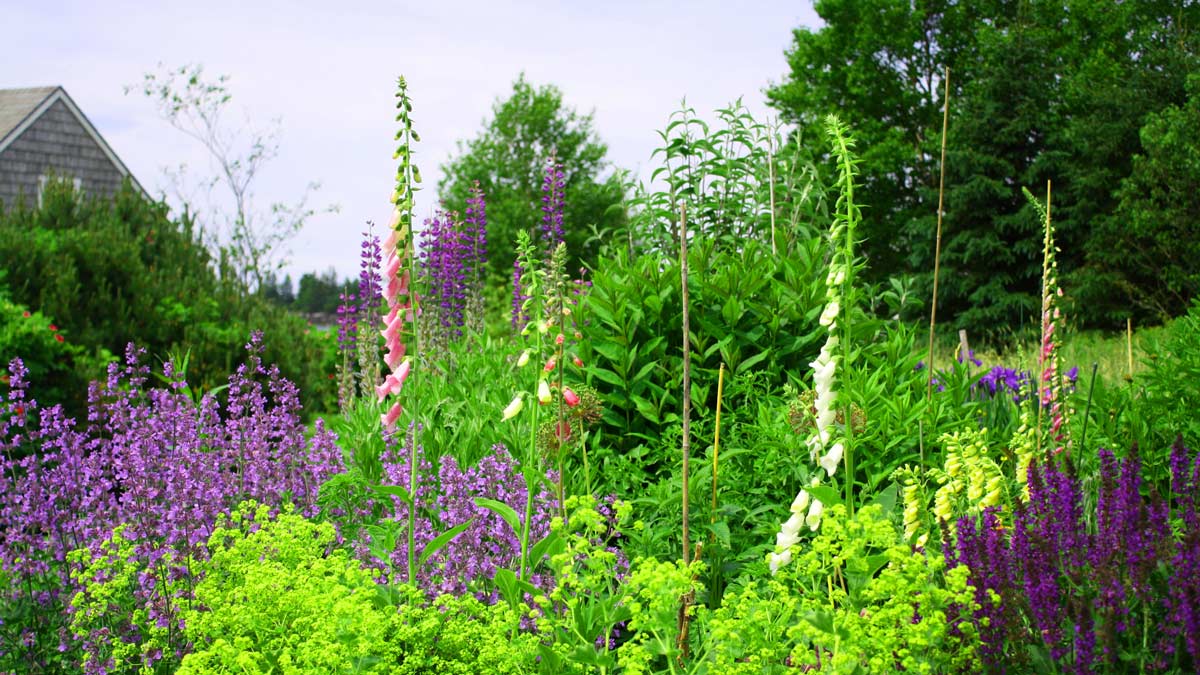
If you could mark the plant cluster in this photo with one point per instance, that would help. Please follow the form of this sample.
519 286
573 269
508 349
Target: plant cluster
154 462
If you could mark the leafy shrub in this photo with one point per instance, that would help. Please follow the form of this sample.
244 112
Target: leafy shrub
118 271
280 596
750 310
59 367
855 598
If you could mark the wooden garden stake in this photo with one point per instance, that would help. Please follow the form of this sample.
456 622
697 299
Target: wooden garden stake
937 246
687 374
717 441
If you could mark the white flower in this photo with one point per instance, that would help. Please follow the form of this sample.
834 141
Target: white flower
513 408
830 313
813 520
831 459
800 504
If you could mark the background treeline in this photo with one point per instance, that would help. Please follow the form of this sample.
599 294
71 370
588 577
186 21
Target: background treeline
1101 98
84 277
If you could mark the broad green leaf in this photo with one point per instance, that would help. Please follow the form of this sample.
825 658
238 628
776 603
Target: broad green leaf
508 513
440 541
827 495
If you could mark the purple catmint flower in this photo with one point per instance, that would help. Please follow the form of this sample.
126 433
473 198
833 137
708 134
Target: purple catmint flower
154 460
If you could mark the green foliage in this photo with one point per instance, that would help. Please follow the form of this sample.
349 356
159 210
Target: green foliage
109 608
279 596
750 310
655 590
1148 251
1067 91
318 293
855 598
121 271
508 159
581 614
58 367
739 178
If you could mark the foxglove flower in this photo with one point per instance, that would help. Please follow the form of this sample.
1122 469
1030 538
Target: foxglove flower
511 410
827 456
571 398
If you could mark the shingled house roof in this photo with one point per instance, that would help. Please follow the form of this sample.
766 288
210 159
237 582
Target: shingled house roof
43 133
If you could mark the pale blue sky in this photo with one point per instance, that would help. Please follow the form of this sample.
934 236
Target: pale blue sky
329 74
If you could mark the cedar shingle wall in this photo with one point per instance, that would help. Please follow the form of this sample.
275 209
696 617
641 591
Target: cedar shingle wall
55 143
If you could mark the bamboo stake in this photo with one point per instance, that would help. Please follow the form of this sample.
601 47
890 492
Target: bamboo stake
937 247
771 183
688 598
1129 347
687 374
717 441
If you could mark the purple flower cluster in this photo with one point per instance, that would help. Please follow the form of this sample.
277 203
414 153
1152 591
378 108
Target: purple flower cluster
475 224
519 316
1003 381
347 323
370 282
151 459
452 260
553 204
1089 594
489 544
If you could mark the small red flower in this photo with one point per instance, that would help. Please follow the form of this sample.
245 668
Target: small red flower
558 340
53 327
578 362
58 336
25 314
550 365
331 376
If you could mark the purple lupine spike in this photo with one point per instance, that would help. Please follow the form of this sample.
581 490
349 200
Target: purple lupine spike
553 204
347 323
476 234
370 282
